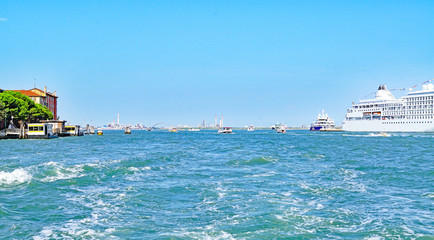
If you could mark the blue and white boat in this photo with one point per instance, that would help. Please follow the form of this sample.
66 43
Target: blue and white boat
323 123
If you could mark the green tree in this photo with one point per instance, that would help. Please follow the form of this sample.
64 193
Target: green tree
2 115
39 112
2 111
23 108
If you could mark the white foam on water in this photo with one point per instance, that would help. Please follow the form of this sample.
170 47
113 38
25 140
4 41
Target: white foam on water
99 201
221 192
267 174
313 156
428 194
65 172
133 169
350 180
263 193
45 234
287 194
374 238
207 233
17 176
136 174
354 135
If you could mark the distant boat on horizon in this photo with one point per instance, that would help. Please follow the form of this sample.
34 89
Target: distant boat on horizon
225 130
280 128
193 129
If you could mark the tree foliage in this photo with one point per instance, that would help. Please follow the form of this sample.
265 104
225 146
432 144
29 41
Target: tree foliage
23 108
2 111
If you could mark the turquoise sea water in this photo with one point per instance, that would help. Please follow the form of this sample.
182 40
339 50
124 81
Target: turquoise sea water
202 185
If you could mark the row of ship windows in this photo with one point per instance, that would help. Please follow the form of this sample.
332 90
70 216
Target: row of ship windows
391 117
410 101
395 108
408 112
415 107
408 116
405 122
420 102
419 98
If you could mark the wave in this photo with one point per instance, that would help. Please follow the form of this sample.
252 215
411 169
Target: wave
207 232
255 161
55 171
369 135
313 156
16 177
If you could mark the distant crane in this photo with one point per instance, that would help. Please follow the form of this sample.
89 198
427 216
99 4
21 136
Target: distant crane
153 127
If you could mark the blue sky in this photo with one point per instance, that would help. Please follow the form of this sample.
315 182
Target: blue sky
181 62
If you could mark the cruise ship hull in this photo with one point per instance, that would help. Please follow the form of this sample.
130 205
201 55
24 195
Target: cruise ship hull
388 126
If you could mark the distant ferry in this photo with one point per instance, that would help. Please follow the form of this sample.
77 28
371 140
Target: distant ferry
193 130
410 113
323 122
225 130
280 128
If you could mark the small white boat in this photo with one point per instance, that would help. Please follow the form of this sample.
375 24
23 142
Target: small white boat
250 128
128 130
225 130
92 130
280 128
193 130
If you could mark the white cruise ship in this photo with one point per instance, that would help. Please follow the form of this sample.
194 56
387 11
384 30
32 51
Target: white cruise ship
410 113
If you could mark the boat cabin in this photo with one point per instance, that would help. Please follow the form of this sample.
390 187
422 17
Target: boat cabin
72 130
40 130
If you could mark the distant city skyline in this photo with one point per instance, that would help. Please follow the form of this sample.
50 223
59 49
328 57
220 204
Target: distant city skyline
255 62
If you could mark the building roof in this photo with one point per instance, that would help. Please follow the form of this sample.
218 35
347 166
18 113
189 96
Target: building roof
35 92
28 93
42 92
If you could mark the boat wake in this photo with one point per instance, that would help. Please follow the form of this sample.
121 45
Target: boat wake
368 135
381 134
16 177
54 171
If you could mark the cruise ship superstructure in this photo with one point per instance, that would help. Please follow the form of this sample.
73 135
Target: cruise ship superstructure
385 113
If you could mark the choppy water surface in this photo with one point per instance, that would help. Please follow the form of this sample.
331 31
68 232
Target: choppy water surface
201 185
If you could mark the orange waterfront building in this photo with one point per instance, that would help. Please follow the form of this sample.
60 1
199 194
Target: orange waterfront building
42 97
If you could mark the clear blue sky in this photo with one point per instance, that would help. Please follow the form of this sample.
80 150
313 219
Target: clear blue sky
181 62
